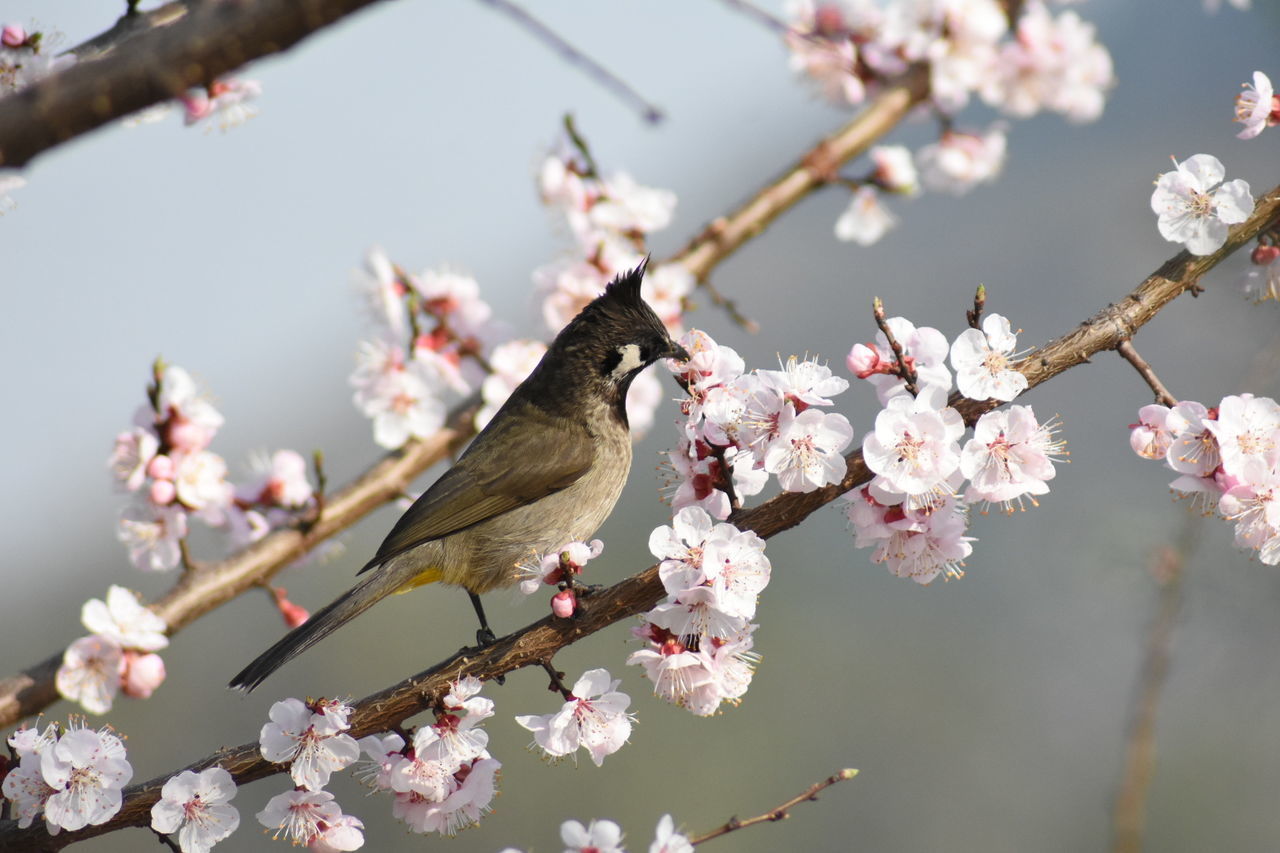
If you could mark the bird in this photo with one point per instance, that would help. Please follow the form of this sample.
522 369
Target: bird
546 470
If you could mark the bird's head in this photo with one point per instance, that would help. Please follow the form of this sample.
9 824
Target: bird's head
614 338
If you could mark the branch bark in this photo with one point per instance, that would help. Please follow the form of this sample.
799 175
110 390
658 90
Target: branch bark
172 49
536 643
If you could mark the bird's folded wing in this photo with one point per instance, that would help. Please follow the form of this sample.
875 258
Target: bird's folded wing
525 454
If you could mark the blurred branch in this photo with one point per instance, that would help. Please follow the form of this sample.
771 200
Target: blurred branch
723 236
539 642
593 69
1129 810
777 813
170 50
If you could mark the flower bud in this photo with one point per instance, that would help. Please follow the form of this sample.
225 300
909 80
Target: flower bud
564 603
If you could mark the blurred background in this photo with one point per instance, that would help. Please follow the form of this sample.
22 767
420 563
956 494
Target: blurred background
985 714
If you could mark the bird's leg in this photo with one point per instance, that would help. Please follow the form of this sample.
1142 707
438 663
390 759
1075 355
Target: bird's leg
485 635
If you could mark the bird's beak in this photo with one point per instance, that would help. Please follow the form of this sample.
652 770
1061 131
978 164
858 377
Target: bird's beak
674 350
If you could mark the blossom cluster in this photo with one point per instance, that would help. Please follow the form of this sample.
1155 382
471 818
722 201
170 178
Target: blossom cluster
914 511
609 219
558 568
1194 207
741 427
698 640
593 717
164 460
431 332
311 737
605 836
848 48
73 776
444 780
1227 458
118 656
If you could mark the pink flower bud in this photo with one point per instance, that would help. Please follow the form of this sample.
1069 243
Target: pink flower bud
188 436
563 603
141 673
160 468
1263 255
13 36
862 360
163 492
294 615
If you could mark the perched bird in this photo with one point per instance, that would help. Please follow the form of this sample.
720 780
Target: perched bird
546 470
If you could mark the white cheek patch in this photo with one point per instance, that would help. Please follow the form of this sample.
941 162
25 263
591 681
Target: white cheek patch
630 361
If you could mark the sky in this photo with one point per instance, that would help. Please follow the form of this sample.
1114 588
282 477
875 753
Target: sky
986 713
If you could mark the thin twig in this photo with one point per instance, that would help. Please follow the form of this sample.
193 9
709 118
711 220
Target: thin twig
1126 350
777 813
974 314
594 70
905 371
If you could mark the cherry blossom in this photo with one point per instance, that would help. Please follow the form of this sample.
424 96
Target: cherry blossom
594 719
227 99
468 802
1194 448
924 350
961 160
552 567
983 361
125 620
197 807
600 836
865 220
1193 209
90 673
1010 455
667 840
895 169
914 449
1150 438
302 817
1247 430
87 770
806 454
313 743
1257 107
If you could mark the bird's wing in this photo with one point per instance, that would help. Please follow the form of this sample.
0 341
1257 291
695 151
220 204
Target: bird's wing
525 454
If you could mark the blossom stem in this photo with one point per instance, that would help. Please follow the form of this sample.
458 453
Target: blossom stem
904 370
1129 354
557 680
780 812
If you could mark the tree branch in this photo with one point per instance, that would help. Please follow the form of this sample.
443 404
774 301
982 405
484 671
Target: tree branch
173 49
536 643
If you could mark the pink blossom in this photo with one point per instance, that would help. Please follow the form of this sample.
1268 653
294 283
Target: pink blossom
1010 455
1150 438
141 674
87 771
806 454
301 816
983 361
313 743
865 220
594 719
601 836
197 806
1257 107
1193 210
914 449
960 160
90 673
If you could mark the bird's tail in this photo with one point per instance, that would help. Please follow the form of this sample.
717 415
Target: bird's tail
373 588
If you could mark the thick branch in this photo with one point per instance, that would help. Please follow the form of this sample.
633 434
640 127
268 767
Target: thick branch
178 47
539 642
